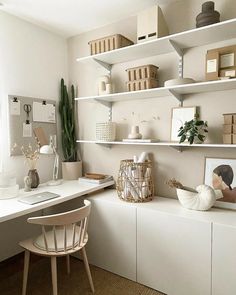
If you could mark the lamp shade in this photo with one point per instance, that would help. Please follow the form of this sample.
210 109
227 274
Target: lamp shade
46 149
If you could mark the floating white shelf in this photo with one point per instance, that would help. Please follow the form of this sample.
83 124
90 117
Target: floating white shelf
170 144
179 90
192 38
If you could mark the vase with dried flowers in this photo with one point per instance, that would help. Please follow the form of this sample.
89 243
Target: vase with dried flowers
31 158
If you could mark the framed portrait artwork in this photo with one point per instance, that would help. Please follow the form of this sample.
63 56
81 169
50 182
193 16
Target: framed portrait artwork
221 175
178 117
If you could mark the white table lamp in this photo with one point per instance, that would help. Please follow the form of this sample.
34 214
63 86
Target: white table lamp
51 150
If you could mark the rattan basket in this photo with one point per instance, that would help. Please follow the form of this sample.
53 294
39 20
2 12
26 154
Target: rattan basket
106 131
134 183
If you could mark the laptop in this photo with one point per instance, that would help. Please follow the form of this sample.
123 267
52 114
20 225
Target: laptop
38 198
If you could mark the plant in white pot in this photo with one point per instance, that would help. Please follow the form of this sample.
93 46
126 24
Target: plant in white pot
193 131
72 164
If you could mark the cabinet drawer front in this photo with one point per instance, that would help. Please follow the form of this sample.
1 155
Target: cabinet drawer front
112 238
224 260
173 253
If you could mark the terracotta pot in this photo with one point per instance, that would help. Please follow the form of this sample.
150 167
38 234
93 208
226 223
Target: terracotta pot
71 170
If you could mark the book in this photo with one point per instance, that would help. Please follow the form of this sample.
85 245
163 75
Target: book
95 181
141 140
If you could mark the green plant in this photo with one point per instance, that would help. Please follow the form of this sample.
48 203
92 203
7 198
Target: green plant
193 130
68 123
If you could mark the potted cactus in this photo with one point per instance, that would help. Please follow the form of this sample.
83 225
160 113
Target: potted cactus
72 164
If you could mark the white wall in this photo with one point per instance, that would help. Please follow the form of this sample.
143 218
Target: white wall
32 61
187 167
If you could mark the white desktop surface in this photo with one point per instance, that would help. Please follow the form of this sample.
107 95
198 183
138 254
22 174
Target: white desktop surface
68 190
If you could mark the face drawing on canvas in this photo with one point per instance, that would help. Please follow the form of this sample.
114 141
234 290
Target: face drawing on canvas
222 177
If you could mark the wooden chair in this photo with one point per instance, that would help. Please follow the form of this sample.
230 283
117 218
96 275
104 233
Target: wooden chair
62 235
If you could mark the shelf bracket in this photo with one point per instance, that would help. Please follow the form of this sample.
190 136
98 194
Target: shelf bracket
105 145
178 96
180 53
177 148
105 65
107 104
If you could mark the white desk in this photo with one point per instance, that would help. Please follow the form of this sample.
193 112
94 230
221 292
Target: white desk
68 190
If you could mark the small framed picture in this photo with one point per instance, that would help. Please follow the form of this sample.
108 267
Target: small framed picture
178 118
221 175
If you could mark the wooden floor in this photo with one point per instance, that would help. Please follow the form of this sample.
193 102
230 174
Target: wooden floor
76 283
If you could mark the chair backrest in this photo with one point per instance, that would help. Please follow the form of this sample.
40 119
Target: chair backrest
71 225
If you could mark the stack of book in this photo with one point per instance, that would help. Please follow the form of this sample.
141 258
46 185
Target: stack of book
95 178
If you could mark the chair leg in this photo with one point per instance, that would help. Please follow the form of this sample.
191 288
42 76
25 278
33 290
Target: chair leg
68 264
26 271
54 274
86 264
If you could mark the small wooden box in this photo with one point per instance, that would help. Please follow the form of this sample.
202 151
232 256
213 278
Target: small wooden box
108 43
234 138
142 84
228 128
143 72
230 118
227 138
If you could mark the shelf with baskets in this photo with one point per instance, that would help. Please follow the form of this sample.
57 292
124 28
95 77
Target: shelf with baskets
177 91
218 32
176 42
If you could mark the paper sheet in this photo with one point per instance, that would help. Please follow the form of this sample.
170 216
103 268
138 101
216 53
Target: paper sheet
15 108
44 112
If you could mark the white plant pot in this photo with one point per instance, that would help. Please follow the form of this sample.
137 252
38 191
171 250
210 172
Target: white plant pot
71 170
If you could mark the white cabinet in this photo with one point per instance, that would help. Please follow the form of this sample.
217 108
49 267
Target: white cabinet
164 246
173 253
112 236
224 260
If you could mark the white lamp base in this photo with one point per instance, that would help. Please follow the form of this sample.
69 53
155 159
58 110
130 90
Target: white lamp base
55 182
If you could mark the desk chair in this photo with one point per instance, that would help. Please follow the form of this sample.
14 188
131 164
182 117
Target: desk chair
62 235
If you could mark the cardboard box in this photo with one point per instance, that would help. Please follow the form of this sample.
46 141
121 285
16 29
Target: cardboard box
231 73
227 138
230 118
228 128
221 62
234 138
151 24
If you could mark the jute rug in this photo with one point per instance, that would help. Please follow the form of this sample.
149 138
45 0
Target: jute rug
39 281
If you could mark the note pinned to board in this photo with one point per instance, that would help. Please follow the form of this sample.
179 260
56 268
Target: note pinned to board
14 107
27 130
44 112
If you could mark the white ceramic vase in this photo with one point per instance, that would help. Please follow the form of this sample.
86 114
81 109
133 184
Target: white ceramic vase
201 200
135 133
71 170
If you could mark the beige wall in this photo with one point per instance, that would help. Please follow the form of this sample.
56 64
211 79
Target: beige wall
188 167
32 62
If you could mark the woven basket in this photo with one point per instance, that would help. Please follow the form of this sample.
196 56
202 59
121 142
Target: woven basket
106 131
142 84
143 72
134 183
108 43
